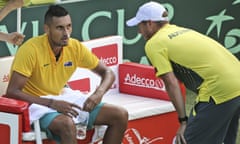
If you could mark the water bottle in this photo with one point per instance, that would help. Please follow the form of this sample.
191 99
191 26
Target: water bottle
81 125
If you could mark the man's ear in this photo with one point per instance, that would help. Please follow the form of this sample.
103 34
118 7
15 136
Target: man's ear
46 28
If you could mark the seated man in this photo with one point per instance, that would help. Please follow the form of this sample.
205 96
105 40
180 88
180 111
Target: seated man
42 67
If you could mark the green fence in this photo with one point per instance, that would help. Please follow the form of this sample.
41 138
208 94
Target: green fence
97 18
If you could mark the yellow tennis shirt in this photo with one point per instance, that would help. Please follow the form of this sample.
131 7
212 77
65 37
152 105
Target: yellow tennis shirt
35 60
188 52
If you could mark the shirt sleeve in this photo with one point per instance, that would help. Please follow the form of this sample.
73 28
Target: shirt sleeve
158 56
24 60
87 59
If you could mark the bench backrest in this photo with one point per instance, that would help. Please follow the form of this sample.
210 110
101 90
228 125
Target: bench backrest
5 66
109 51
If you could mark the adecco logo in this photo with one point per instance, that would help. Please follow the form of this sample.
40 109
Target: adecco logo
143 82
133 136
107 54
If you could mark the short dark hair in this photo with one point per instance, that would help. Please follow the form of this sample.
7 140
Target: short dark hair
54 11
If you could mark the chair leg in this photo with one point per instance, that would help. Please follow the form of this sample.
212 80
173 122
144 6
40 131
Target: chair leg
37 131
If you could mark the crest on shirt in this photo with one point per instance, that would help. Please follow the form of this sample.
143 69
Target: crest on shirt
68 63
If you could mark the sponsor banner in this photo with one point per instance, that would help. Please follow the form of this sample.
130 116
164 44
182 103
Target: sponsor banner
159 129
107 54
81 84
138 79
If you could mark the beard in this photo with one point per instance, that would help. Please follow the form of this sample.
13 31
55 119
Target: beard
59 43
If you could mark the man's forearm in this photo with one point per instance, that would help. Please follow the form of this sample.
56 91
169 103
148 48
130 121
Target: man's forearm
10 6
106 82
3 36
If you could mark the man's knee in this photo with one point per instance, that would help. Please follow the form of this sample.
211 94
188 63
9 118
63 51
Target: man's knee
112 114
62 124
121 115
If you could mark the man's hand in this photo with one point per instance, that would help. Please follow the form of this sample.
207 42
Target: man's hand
66 108
91 102
180 134
15 38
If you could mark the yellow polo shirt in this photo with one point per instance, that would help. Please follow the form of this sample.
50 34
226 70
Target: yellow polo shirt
35 60
214 64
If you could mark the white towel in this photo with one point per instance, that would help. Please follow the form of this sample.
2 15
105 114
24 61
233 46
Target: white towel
36 111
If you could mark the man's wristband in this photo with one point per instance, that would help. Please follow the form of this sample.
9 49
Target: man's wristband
184 119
